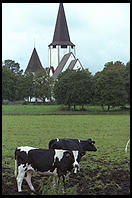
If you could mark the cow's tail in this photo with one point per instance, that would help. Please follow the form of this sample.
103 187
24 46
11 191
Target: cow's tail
16 165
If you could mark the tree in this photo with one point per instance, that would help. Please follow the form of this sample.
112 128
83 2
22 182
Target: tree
16 86
11 80
127 80
110 85
12 66
7 83
43 85
28 85
74 87
10 85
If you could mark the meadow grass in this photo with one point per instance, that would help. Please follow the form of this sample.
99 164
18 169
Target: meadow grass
110 132
33 109
28 109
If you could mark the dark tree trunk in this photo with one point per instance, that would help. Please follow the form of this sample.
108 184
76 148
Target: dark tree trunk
74 107
108 108
102 107
69 106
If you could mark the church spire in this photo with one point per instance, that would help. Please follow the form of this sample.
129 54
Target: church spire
34 62
61 44
61 33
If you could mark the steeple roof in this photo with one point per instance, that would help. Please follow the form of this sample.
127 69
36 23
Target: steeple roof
34 62
61 33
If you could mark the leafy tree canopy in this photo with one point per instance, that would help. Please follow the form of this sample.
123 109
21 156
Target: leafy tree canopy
110 85
12 66
74 87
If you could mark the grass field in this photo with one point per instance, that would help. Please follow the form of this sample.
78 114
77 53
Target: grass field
103 172
55 110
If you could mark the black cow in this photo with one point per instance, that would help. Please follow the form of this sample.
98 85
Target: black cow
73 144
43 161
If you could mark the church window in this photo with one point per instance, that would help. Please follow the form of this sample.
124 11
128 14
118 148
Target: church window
63 46
54 46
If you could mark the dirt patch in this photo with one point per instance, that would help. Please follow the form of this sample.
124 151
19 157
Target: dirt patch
97 182
115 181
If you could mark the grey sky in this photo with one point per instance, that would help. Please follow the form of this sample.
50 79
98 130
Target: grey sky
100 31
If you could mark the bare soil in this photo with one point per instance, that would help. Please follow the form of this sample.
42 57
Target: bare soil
111 181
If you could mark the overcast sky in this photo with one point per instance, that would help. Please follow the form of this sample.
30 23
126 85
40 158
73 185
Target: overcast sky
100 31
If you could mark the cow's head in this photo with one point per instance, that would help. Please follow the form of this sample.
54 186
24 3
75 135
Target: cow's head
89 145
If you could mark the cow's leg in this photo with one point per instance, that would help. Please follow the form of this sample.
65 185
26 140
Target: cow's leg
20 176
55 181
15 168
28 180
59 181
63 184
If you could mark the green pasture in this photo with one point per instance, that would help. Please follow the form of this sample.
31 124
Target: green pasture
29 109
111 132
36 125
34 109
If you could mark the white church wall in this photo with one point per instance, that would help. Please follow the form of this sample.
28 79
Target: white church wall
56 54
78 65
73 50
53 57
62 52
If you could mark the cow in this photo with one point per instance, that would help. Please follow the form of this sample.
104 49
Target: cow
73 144
127 145
58 163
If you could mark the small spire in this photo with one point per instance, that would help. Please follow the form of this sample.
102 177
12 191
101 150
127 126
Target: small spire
34 63
34 42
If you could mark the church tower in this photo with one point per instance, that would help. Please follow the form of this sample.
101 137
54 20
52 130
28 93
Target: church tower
61 43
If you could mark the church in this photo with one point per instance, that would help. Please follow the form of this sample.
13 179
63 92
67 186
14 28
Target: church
61 52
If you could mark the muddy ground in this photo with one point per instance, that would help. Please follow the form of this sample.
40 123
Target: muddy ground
110 181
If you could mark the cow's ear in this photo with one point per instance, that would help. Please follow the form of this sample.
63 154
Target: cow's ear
89 140
68 154
93 142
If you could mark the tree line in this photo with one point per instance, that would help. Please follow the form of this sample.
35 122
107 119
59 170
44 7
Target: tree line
109 87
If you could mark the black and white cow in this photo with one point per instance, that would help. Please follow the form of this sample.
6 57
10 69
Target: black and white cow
73 144
43 161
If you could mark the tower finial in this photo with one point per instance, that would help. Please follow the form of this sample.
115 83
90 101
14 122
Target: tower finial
34 42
